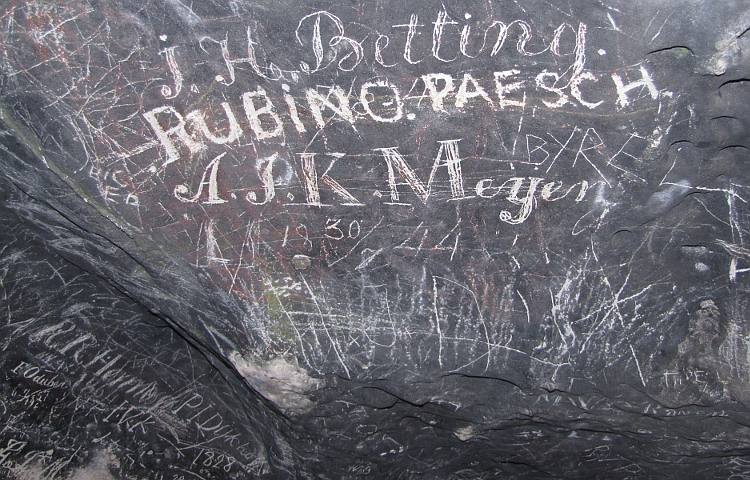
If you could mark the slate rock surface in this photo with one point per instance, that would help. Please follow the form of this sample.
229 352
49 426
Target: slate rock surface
374 239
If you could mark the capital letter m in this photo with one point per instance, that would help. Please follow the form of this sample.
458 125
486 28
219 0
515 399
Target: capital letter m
447 156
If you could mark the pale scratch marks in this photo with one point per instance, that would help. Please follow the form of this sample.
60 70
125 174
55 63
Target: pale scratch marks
334 343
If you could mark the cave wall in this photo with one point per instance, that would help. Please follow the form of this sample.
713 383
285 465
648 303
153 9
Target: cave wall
374 239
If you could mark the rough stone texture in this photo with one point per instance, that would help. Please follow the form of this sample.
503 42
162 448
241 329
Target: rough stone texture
540 270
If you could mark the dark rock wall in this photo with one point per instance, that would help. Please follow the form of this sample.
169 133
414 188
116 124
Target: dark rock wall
274 239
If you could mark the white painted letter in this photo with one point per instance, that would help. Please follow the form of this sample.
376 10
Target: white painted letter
266 178
397 164
503 89
576 91
526 203
235 132
622 89
540 83
436 95
253 115
463 95
213 189
317 102
365 91
164 135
